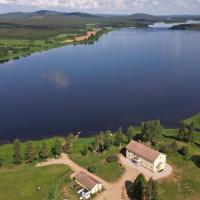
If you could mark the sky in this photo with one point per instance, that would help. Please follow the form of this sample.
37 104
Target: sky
158 7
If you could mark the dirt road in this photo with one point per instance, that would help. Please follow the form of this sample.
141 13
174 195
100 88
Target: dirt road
113 191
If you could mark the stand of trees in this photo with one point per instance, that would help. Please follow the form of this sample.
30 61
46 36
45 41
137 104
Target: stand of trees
143 190
30 153
186 133
151 131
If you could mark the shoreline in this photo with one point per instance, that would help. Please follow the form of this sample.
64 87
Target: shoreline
90 40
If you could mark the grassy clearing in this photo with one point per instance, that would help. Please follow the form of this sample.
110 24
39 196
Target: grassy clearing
108 171
21 183
184 184
6 151
15 48
195 119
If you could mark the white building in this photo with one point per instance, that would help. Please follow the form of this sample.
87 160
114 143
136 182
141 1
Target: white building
145 156
89 184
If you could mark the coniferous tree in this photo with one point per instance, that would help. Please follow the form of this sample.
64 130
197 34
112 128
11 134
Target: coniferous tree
68 146
108 140
139 188
57 149
30 155
130 133
120 137
43 154
101 141
152 190
96 144
190 135
182 133
17 158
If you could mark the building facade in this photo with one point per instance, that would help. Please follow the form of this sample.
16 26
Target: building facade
145 156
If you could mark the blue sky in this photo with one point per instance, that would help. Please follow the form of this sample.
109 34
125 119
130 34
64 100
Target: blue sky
105 6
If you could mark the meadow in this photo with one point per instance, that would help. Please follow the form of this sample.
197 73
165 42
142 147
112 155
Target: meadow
55 183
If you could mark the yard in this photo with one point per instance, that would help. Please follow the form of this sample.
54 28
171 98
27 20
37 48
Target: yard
108 171
28 182
184 184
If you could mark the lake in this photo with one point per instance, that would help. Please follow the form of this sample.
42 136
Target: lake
127 76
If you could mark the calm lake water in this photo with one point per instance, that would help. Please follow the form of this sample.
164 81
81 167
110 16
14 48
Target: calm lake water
126 77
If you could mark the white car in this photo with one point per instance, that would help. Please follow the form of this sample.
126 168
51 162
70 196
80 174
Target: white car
80 190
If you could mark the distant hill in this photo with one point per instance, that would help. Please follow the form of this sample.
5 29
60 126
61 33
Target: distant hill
41 13
51 23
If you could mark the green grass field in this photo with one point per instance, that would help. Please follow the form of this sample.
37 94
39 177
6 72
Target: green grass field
108 171
6 151
15 48
195 119
21 183
184 183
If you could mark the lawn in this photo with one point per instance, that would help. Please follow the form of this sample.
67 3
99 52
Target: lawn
21 183
195 119
107 171
184 183
6 151
22 47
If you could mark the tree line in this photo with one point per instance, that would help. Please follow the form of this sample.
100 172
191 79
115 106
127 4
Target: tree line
150 132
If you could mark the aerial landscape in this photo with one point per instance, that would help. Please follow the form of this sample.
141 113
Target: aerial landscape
99 100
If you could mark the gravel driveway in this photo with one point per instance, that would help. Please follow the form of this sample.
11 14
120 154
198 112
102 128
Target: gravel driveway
115 190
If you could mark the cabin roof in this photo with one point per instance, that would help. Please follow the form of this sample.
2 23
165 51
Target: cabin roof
143 150
86 180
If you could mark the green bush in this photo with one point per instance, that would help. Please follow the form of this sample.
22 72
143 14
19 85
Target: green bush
164 149
1 162
84 152
112 158
185 151
92 169
174 147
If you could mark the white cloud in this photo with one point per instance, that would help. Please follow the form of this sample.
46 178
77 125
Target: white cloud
58 78
110 6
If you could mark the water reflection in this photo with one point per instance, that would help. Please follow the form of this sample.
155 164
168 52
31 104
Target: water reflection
58 78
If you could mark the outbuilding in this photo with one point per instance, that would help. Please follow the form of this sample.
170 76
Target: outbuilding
89 184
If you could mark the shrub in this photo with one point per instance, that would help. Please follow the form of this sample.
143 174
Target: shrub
112 158
164 149
196 160
174 147
185 151
84 152
92 169
1 162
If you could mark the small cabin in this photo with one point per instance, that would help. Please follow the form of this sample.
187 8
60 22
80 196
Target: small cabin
89 184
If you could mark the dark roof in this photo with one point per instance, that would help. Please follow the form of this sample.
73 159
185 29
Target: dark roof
143 150
86 180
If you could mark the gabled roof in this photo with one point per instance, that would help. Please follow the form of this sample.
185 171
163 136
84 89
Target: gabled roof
86 180
143 151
